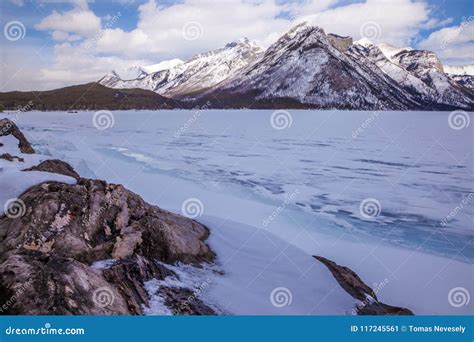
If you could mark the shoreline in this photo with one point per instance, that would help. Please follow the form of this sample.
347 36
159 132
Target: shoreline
395 291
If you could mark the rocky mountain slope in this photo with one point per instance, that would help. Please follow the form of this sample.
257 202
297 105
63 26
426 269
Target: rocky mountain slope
463 75
195 75
307 68
419 73
426 66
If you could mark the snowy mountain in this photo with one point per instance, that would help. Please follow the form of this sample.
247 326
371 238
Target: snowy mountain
459 69
388 50
163 65
421 76
467 81
132 73
379 56
462 74
307 68
426 66
197 74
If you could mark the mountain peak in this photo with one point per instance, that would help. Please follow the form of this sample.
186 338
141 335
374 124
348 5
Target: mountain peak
309 68
240 41
390 50
364 42
460 69
244 42
302 27
164 65
130 73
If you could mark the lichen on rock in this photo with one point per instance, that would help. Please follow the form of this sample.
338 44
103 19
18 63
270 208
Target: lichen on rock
66 228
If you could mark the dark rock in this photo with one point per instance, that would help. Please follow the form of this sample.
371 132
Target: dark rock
66 227
183 301
130 275
348 280
94 220
46 254
354 286
381 309
55 166
9 157
40 284
8 127
340 43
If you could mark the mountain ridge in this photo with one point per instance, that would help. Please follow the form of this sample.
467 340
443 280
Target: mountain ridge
328 71
306 68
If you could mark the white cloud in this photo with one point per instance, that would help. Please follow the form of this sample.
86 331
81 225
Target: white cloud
159 31
59 35
80 20
454 44
390 21
77 65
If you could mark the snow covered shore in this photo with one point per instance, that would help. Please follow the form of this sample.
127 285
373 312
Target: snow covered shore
254 259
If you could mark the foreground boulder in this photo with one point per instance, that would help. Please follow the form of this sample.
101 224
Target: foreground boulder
89 247
354 286
66 228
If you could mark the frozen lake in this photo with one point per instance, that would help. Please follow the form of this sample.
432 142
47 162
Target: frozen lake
387 181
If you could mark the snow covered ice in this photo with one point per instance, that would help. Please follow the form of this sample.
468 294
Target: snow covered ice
272 198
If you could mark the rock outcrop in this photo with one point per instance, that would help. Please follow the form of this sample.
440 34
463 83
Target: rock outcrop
50 251
55 166
354 286
8 127
9 157
340 43
66 228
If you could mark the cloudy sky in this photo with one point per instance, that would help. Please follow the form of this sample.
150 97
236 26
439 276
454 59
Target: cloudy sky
52 43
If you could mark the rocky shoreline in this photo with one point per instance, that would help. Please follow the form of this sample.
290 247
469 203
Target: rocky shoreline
65 228
49 254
